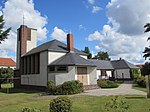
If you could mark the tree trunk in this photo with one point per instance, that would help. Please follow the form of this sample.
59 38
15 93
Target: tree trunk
0 86
148 86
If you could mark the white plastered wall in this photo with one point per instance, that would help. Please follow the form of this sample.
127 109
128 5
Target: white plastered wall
61 77
32 43
91 71
52 56
126 73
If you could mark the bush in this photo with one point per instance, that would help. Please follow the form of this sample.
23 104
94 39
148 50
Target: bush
30 110
51 87
67 88
61 104
141 81
107 84
71 87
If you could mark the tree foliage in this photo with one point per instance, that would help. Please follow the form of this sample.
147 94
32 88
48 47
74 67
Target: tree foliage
87 51
102 56
3 33
4 74
147 49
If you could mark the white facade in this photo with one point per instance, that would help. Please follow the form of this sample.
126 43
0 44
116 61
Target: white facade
13 67
58 77
32 43
122 73
52 56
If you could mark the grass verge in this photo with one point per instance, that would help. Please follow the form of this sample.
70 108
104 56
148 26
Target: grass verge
20 98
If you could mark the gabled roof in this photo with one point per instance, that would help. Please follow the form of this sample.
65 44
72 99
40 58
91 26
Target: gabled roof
123 64
71 59
53 45
102 64
7 62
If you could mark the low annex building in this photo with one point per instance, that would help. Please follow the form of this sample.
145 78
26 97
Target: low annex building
7 63
115 69
53 60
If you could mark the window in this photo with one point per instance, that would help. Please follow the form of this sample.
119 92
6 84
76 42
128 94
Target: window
61 68
51 69
103 73
58 69
31 64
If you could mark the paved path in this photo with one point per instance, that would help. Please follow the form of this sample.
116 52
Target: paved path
123 89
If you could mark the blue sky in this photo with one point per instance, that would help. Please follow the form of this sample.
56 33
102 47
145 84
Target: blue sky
71 15
114 26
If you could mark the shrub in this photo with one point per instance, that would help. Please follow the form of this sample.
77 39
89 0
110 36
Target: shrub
72 87
51 87
107 84
61 104
141 81
67 88
30 110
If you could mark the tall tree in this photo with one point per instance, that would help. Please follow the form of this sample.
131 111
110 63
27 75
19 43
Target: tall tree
102 56
147 55
87 51
3 33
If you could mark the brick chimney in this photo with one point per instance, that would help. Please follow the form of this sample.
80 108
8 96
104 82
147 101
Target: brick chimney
70 42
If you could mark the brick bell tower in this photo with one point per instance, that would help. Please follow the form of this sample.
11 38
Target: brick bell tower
26 40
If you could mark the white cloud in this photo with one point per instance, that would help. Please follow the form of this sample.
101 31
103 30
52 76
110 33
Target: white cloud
124 36
95 36
130 14
91 1
13 12
59 34
96 9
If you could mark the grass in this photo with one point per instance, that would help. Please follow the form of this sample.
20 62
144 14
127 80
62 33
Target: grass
19 98
137 87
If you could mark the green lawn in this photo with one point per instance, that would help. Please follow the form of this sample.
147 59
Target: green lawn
18 99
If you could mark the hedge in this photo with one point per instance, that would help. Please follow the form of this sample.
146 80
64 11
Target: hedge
107 84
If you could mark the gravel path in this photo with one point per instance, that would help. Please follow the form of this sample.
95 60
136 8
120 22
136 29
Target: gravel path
123 89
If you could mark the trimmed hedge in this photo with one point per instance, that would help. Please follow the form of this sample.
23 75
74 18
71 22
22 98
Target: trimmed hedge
61 104
67 88
107 84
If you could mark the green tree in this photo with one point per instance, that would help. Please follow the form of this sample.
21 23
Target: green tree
3 33
4 74
102 56
87 51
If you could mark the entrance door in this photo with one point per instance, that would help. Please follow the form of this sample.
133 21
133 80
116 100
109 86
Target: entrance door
82 75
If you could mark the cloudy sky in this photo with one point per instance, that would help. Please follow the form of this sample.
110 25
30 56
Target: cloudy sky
115 26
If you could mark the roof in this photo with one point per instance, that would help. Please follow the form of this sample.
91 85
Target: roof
123 64
102 64
71 59
140 65
7 62
53 45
